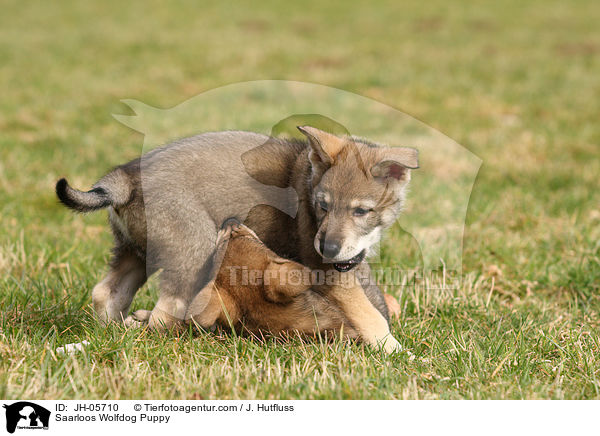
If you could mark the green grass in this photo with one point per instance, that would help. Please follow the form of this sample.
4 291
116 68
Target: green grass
516 83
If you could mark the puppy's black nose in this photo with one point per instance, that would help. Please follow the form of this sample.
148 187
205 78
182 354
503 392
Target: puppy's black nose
330 249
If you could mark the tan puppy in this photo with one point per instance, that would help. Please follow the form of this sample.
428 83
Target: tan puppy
261 291
257 291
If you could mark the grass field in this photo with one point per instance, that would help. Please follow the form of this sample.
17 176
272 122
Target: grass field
517 83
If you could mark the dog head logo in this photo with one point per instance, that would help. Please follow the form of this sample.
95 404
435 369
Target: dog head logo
26 415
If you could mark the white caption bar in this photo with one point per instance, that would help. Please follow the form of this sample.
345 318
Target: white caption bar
262 418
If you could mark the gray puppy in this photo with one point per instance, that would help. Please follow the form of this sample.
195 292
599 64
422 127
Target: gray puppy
323 202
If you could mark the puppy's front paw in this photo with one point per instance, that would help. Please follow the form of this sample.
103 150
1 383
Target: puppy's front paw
137 319
131 322
390 345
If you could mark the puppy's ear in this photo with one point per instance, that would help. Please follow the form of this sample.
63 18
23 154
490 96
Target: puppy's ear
396 163
324 146
285 279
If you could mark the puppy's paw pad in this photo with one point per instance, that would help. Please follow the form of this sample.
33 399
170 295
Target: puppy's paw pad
242 230
223 235
229 224
141 315
131 322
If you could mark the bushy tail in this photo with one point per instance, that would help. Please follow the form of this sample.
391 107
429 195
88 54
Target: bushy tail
112 190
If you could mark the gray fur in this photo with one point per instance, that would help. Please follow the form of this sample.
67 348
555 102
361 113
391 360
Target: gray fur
166 207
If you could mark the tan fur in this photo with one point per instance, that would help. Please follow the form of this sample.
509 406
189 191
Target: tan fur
281 303
372 327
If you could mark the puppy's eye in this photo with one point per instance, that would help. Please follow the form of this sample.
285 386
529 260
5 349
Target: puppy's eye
359 211
323 205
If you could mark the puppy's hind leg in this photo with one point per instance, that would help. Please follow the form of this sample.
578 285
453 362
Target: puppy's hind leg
184 253
188 273
176 293
113 295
